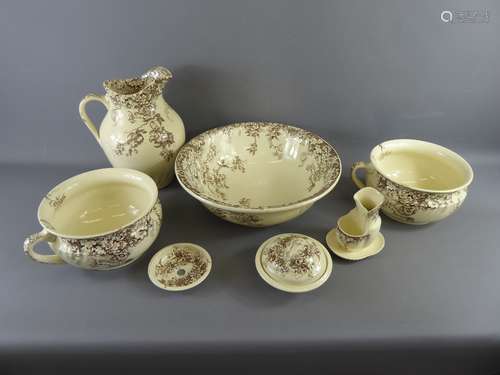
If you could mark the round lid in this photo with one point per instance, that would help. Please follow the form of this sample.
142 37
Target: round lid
179 266
294 262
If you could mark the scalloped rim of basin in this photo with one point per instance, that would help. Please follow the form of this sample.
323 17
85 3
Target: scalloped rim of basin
282 207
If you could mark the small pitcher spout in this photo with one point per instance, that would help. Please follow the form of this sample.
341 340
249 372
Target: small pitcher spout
369 199
158 73
368 202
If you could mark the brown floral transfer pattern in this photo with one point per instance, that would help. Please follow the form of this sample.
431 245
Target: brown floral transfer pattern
183 267
295 255
55 201
112 250
404 202
201 168
244 202
137 97
249 219
350 241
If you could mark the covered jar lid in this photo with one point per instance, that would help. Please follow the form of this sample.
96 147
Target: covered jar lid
293 262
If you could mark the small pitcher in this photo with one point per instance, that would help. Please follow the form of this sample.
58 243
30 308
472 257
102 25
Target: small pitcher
140 130
357 229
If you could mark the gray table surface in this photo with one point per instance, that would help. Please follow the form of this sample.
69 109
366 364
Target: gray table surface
429 301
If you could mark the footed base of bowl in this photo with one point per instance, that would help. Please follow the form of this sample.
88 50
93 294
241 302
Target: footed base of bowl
258 220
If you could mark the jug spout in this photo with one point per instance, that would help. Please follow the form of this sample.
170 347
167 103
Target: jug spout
369 200
158 73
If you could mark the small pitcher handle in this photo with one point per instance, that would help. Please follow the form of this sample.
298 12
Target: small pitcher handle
357 181
31 241
83 113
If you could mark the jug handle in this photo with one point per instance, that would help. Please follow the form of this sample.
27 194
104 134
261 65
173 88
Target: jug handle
83 113
357 181
31 241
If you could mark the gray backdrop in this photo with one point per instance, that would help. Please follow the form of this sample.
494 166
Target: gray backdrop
355 72
364 69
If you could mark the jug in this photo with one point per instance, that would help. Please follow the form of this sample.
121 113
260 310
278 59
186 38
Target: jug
140 130
357 229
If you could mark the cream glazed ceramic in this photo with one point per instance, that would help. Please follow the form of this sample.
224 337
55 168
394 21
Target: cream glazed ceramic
99 220
293 263
338 249
422 182
257 174
180 266
357 234
140 130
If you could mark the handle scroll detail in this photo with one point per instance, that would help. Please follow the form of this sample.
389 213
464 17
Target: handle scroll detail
357 181
30 243
85 117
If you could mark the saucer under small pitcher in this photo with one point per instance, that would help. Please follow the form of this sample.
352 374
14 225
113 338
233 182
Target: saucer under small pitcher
338 249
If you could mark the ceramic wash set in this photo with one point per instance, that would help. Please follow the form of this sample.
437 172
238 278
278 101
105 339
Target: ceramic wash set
255 174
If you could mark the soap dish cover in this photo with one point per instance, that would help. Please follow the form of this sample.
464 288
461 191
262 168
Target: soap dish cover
179 266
